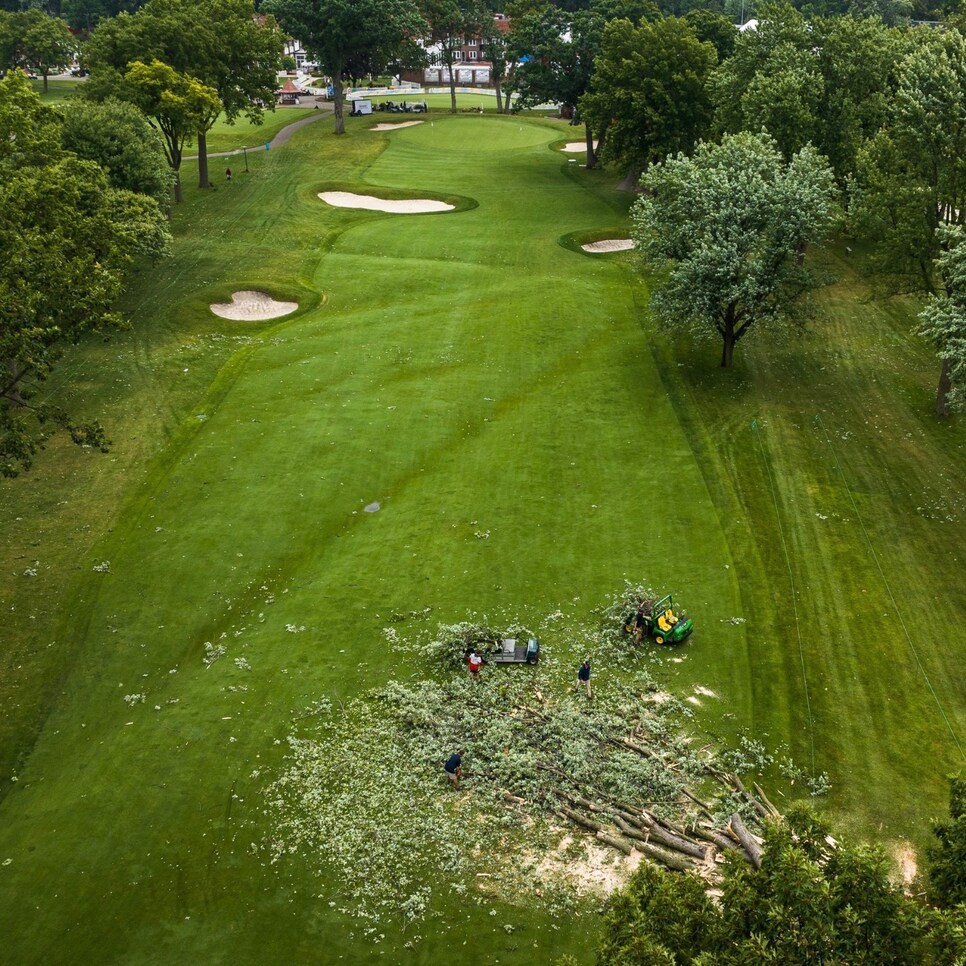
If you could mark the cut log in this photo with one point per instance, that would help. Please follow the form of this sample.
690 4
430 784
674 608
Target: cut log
616 843
587 823
673 860
716 838
748 842
764 798
661 835
629 830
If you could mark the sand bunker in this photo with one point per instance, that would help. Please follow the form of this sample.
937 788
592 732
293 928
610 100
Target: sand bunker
609 245
252 307
410 206
573 147
392 127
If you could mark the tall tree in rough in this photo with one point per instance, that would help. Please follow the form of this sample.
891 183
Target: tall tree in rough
857 60
943 322
494 49
342 33
68 239
726 231
450 22
911 177
649 91
175 104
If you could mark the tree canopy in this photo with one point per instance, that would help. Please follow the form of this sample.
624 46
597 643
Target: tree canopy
217 42
648 95
119 138
813 900
943 320
344 34
727 230
68 238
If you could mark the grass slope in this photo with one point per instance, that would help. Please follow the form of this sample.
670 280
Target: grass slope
464 370
473 374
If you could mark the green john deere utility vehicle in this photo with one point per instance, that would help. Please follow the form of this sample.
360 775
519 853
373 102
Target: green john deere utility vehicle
657 620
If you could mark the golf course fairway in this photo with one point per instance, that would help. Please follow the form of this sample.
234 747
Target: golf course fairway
470 415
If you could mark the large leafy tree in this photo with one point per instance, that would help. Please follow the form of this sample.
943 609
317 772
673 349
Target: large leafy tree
649 91
341 34
220 43
67 238
118 137
175 104
943 322
47 44
772 80
947 855
726 230
556 52
812 900
911 177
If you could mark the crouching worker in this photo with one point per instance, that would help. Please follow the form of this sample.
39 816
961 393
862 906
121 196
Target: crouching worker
453 768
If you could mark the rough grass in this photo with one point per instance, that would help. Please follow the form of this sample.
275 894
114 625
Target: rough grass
473 374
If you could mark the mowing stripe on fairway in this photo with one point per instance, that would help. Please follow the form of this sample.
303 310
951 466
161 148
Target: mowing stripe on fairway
791 580
888 587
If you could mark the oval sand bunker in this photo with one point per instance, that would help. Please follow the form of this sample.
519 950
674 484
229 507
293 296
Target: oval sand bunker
392 127
252 307
575 147
609 245
403 206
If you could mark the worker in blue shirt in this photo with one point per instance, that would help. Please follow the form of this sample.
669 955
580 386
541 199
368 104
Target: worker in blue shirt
453 768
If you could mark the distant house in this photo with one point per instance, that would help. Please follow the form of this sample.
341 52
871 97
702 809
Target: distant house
469 64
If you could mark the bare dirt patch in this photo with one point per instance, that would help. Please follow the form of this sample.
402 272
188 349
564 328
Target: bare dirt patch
248 306
598 870
609 245
908 867
392 127
403 206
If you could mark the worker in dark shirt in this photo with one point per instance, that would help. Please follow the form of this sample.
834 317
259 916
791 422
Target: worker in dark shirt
583 676
453 768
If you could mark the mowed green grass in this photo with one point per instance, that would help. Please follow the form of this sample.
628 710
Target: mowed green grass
472 375
465 370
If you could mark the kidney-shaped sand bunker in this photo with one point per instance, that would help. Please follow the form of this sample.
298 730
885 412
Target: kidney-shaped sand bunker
252 307
402 206
609 245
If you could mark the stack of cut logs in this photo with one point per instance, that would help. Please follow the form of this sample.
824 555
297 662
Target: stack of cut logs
698 845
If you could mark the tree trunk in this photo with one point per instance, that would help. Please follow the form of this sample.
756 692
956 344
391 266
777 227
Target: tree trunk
748 842
942 390
499 97
45 81
203 181
339 102
178 197
12 393
591 154
452 89
729 336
